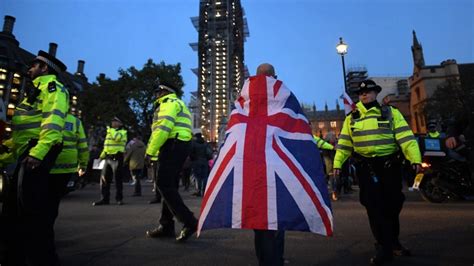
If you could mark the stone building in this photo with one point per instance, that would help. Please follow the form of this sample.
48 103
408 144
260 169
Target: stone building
325 122
426 79
14 62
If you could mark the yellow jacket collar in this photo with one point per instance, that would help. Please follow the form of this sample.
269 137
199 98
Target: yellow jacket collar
44 79
360 106
167 96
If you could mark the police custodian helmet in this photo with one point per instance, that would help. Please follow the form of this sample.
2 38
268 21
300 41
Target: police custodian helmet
368 85
51 61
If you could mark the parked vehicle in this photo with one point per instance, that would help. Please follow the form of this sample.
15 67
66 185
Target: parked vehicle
446 173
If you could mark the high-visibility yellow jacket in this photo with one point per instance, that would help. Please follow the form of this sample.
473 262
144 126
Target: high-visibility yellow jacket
371 136
434 135
7 157
322 144
75 153
115 142
42 120
171 120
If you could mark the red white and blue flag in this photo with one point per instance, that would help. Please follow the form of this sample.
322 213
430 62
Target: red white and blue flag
268 174
349 105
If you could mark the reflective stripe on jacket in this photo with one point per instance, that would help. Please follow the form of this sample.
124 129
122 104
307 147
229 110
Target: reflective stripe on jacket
75 152
171 119
371 136
42 120
115 141
322 144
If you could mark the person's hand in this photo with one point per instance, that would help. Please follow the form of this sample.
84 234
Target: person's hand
417 167
451 143
337 172
147 159
81 172
31 163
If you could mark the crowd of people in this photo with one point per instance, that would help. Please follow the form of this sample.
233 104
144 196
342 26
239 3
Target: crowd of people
49 146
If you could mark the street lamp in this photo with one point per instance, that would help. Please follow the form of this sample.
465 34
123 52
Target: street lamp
341 48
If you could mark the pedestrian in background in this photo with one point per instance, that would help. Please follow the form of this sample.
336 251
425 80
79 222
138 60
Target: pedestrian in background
201 153
135 159
374 135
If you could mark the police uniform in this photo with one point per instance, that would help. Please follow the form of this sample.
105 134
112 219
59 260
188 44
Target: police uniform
322 144
114 148
37 123
373 135
171 137
74 155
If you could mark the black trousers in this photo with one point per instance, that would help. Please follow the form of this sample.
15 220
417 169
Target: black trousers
30 212
112 170
137 176
380 182
172 156
269 247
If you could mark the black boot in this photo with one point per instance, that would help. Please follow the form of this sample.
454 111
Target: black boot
381 256
100 202
161 231
399 250
187 231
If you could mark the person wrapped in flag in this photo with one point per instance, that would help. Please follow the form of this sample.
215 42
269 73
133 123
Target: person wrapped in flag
268 175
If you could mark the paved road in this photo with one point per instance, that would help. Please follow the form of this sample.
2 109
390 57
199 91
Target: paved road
437 234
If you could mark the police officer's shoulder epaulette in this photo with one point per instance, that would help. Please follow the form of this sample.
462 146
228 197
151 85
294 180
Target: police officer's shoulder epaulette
52 86
355 114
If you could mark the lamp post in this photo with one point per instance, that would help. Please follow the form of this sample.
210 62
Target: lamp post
341 48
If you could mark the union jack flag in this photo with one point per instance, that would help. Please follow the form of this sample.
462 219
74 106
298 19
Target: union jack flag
268 174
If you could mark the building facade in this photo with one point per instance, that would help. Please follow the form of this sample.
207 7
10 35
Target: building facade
325 123
222 30
395 92
426 79
14 62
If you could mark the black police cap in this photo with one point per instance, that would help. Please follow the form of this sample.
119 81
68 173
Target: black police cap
51 61
368 85
166 86
117 120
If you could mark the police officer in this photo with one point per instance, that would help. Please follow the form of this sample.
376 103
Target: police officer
374 134
114 148
37 140
432 130
74 156
171 137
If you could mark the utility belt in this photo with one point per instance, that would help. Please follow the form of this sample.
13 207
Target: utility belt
115 157
378 162
24 200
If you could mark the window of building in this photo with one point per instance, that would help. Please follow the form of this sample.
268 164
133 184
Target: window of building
333 124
